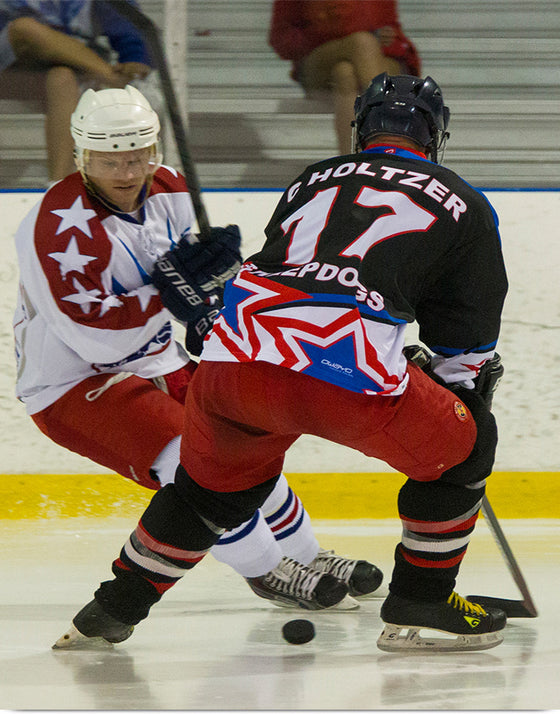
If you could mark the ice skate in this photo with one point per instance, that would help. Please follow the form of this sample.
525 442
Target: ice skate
292 584
361 577
93 627
455 625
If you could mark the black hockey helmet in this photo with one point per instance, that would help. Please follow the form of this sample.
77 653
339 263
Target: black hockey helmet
403 105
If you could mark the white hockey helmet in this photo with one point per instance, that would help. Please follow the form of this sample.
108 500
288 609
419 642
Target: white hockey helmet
113 120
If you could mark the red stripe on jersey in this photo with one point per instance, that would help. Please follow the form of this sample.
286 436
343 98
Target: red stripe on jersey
167 181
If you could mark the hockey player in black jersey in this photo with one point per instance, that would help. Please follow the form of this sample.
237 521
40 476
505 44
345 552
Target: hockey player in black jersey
310 340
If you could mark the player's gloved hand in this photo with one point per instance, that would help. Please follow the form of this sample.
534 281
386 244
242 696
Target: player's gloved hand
198 329
485 383
191 276
215 260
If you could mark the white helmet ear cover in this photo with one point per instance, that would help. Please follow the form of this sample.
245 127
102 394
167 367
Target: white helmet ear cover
114 120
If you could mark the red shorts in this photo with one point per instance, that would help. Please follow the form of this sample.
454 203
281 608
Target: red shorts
123 427
241 418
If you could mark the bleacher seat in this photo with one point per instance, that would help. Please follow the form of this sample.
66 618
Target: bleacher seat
498 62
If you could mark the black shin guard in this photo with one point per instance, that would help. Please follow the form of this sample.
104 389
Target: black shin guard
439 516
170 539
225 509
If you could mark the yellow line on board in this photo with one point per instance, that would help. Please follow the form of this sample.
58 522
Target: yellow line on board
512 494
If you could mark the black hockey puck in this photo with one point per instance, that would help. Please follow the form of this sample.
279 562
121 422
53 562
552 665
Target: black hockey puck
298 632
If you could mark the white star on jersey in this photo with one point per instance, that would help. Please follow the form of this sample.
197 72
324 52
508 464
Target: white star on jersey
75 217
72 259
83 297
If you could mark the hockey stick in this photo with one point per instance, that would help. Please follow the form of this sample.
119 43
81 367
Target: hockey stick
152 35
486 384
512 608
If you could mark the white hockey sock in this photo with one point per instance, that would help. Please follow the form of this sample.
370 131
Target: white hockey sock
251 549
167 461
290 523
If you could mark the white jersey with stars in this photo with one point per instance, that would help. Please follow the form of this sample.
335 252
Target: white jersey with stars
86 304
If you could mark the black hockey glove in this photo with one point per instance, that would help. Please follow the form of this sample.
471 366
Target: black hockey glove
199 328
190 277
485 383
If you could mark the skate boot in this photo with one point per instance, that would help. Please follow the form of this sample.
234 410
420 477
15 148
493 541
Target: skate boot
463 625
291 584
361 577
93 626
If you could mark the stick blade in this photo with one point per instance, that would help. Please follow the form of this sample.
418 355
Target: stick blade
512 608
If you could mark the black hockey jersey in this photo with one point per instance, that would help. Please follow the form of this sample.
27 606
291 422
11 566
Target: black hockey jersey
359 246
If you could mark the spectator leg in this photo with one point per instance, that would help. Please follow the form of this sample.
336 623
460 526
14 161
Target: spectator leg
345 89
63 92
344 68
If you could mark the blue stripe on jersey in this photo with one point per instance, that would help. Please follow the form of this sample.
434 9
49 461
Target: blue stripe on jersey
143 274
170 233
159 340
116 287
348 300
452 351
396 151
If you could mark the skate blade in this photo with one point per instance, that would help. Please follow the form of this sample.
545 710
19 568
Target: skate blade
391 640
347 603
73 639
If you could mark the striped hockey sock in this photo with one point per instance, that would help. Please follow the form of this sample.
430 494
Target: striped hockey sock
290 523
282 527
438 519
169 540
251 549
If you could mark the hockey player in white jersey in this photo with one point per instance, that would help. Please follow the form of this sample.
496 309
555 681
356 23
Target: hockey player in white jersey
99 370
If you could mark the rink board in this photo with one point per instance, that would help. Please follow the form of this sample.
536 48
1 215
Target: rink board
42 480
325 495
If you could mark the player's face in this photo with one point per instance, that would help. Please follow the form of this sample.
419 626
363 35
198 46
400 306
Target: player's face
120 176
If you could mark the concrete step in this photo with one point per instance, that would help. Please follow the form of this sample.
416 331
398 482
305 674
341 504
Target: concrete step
266 149
498 62
491 170
433 17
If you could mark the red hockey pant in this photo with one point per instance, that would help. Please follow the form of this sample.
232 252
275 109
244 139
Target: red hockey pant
124 428
241 418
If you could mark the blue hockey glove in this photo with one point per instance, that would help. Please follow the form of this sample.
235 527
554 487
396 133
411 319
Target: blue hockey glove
191 276
199 328
213 261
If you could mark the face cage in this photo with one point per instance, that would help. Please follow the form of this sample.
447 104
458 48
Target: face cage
81 157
